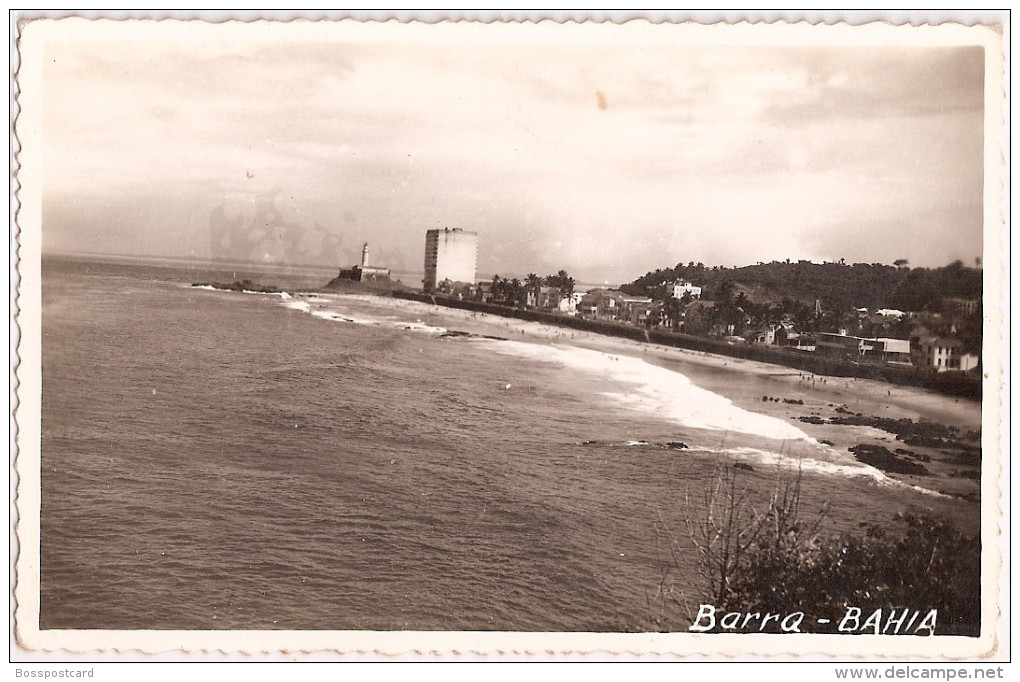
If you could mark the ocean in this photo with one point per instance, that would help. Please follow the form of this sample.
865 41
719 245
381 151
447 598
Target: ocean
226 460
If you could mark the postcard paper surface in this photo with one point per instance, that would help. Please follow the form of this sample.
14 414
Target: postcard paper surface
635 338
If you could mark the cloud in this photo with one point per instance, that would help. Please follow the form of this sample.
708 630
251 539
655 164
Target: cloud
594 159
858 83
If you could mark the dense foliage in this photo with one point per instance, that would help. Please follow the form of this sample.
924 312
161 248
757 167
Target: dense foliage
837 286
514 292
930 566
775 559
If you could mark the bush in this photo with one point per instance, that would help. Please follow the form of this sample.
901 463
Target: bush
930 566
777 561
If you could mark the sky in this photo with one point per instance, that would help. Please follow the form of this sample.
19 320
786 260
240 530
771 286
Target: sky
604 156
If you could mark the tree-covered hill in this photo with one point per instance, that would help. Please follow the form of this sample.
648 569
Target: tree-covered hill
837 285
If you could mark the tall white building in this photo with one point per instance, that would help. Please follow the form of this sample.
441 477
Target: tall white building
450 254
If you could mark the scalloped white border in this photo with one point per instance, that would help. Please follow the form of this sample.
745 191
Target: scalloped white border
821 28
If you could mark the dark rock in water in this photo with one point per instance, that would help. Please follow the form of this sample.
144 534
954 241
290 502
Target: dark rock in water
383 285
455 333
918 434
240 285
494 338
743 467
880 457
825 442
814 419
919 456
793 401
591 442
676 445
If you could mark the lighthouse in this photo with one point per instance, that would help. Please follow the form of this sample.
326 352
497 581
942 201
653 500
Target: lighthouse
364 272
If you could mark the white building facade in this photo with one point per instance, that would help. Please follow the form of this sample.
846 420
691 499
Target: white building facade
943 355
682 286
450 254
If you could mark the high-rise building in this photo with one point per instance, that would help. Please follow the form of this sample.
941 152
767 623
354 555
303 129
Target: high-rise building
450 254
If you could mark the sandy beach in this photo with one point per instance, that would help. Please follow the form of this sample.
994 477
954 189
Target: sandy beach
721 374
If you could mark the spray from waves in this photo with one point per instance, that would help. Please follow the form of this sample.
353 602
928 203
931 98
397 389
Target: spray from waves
854 470
332 309
223 287
303 306
660 391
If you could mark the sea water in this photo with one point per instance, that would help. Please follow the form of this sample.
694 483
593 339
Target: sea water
215 459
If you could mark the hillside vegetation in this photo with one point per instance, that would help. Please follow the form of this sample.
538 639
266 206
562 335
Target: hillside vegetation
837 286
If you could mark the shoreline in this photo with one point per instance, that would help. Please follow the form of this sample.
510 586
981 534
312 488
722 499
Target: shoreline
772 390
954 384
895 401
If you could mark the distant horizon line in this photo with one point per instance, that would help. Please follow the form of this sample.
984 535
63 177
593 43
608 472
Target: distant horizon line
324 267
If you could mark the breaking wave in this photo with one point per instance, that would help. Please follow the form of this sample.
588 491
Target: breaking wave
656 390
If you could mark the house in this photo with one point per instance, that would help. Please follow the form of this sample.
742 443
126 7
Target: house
602 304
544 298
640 310
877 350
888 350
569 304
764 334
682 287
942 354
786 334
840 346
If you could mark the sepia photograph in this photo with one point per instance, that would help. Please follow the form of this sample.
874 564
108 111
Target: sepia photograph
364 336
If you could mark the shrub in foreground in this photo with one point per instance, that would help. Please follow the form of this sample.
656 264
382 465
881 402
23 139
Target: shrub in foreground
777 560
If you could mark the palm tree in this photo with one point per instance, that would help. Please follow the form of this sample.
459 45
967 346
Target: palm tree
516 290
565 283
497 289
534 286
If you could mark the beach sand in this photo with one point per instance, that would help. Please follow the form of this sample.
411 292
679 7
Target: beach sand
725 375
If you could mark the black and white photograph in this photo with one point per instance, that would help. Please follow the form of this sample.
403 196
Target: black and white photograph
463 336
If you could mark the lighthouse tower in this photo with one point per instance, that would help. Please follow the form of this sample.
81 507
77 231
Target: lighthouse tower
366 272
